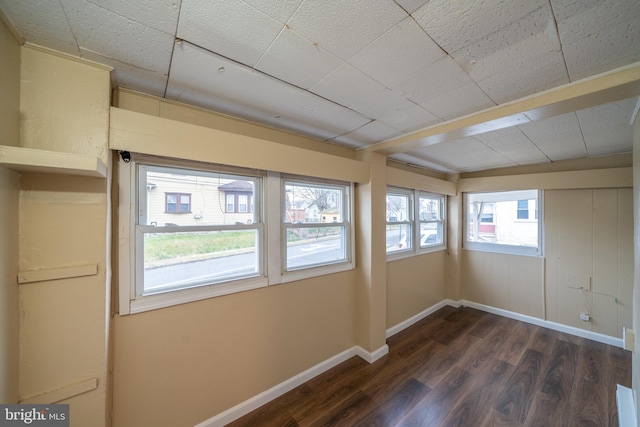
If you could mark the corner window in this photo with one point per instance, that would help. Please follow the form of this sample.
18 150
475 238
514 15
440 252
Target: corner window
506 222
316 223
414 227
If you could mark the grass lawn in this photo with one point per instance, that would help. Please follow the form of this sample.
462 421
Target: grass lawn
168 246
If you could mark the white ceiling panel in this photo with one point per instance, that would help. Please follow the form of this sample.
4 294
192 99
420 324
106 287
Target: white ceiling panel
42 22
465 154
412 118
131 77
280 10
116 36
559 138
606 127
514 145
382 104
459 102
434 80
346 85
345 27
455 25
397 54
159 14
297 60
372 131
411 5
415 158
230 28
226 86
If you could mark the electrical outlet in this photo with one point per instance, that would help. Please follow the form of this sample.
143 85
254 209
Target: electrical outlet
585 317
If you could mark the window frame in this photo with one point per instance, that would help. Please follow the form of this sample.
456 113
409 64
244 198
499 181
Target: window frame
505 248
409 223
347 214
416 226
178 210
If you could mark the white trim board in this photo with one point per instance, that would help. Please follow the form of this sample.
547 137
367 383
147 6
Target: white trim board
278 390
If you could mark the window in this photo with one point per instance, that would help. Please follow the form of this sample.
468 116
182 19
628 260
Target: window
399 220
316 223
177 203
189 251
408 222
431 211
506 222
218 244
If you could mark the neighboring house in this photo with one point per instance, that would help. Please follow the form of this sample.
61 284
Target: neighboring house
198 200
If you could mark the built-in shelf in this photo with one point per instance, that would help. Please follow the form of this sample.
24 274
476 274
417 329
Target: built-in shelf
43 161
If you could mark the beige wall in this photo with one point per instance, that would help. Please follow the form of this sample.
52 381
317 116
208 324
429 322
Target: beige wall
63 222
9 185
414 284
181 365
588 243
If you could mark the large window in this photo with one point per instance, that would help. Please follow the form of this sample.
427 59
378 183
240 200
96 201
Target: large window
229 236
316 223
209 246
414 227
507 222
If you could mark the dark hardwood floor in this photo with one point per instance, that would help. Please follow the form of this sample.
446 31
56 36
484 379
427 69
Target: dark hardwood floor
463 367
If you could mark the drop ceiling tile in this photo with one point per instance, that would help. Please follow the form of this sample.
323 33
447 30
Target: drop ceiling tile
531 75
434 80
345 27
514 145
464 155
125 75
41 22
117 37
280 10
368 134
296 60
159 14
249 94
606 128
346 85
413 118
459 102
230 28
382 104
559 138
414 159
397 54
454 25
411 5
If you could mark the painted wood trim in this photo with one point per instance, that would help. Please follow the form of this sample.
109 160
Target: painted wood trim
583 179
621 83
62 393
146 134
43 161
32 276
401 178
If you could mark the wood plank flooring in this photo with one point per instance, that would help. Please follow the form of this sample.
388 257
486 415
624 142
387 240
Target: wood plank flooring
463 367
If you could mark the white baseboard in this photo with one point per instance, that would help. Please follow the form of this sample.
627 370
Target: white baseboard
418 317
255 402
605 339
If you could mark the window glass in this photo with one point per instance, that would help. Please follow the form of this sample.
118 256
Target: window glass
431 212
316 223
399 220
207 244
503 222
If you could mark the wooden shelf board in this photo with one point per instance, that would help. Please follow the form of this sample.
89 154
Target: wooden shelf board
42 161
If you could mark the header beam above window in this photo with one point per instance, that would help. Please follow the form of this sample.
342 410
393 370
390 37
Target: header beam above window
142 133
